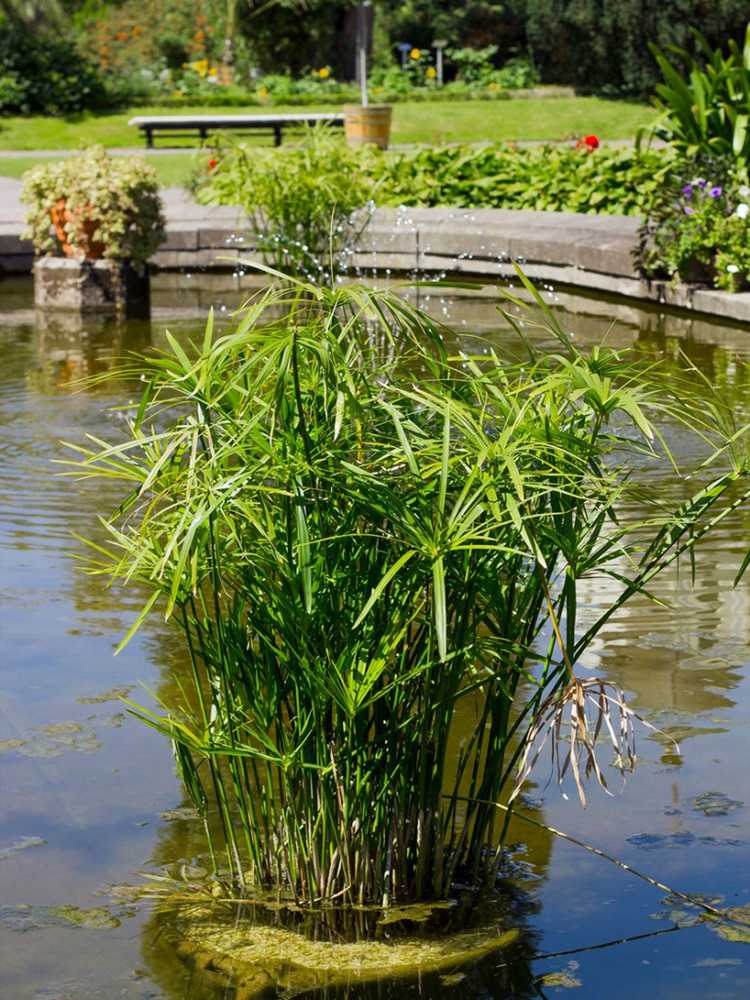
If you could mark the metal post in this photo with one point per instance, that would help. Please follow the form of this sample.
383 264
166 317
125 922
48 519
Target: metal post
439 44
363 20
403 48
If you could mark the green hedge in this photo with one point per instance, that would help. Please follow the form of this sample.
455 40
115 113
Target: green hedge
43 74
545 178
602 45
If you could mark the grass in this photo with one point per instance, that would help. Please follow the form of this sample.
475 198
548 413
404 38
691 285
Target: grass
173 169
451 121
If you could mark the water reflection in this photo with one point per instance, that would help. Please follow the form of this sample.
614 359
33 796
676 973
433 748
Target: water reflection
100 809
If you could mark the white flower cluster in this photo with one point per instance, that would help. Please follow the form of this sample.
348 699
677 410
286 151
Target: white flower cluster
743 209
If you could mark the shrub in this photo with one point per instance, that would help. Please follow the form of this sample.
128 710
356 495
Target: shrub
699 228
548 178
603 44
517 73
705 102
44 74
300 200
117 197
473 65
363 542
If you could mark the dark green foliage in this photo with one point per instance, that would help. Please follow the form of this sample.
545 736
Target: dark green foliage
472 24
698 228
705 101
547 178
45 74
603 44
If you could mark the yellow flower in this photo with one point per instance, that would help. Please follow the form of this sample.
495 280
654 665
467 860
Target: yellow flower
324 72
200 67
431 73
415 54
262 91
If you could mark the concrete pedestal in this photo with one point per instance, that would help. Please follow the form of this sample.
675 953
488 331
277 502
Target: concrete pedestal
107 287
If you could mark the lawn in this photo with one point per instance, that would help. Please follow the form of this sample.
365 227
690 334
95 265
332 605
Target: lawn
550 118
174 169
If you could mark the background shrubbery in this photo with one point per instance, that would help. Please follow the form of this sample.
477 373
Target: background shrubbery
45 75
300 51
550 178
603 45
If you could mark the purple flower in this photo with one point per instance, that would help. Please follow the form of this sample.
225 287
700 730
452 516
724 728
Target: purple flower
688 191
701 182
688 210
715 192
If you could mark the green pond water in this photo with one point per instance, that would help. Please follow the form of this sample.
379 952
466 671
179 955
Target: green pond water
89 797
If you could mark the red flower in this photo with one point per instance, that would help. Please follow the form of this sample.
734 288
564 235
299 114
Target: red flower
591 141
212 165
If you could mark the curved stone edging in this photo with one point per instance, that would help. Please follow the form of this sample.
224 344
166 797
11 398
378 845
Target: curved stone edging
592 253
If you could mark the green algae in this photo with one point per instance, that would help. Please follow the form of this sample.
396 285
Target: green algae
180 813
54 740
95 918
560 980
21 845
257 956
114 694
26 917
737 927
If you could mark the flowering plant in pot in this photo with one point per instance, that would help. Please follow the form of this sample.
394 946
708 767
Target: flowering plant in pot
93 205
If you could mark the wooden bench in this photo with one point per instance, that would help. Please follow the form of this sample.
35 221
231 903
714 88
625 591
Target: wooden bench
186 126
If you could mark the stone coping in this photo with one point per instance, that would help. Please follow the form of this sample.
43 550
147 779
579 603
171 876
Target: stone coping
593 253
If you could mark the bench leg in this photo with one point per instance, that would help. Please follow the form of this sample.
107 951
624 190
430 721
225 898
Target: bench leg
277 135
149 138
203 134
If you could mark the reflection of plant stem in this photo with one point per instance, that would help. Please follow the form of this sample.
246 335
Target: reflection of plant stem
608 944
686 897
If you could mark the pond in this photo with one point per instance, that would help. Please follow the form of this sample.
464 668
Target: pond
90 798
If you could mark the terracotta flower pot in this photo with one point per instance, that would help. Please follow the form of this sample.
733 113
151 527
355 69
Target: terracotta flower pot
88 247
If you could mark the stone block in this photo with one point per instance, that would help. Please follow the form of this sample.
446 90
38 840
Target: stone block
463 241
722 305
110 287
180 237
16 263
11 244
608 256
224 238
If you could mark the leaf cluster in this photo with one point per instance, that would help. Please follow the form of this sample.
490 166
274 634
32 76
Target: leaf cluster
117 196
705 99
364 538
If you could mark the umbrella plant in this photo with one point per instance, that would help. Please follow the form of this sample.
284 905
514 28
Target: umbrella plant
363 538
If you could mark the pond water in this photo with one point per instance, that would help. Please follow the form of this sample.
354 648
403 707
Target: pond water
90 798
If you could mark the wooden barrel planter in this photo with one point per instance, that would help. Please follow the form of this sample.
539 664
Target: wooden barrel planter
370 124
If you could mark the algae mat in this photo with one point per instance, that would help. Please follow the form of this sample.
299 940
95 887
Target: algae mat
257 958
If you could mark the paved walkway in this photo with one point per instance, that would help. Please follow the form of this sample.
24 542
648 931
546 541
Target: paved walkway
179 207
